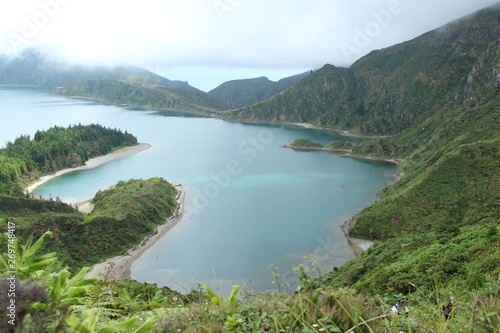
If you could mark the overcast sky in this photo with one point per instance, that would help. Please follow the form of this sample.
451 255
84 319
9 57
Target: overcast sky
207 42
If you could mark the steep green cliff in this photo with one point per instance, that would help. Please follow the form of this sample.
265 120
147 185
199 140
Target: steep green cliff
388 90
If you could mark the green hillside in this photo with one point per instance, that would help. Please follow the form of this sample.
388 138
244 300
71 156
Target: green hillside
123 216
388 90
129 85
139 94
439 223
241 93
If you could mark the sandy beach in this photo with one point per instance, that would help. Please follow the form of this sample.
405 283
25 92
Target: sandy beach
358 245
341 132
92 163
118 268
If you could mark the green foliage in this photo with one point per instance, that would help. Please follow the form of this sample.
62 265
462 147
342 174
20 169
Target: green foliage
232 300
340 144
457 190
437 227
153 199
79 305
70 301
53 150
438 223
89 324
123 216
305 143
378 147
462 260
18 259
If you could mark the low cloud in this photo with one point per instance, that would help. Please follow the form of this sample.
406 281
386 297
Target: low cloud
229 33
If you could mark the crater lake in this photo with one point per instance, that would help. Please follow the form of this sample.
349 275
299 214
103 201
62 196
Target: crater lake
249 202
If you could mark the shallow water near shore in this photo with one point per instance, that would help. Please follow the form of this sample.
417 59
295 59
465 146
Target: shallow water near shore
249 203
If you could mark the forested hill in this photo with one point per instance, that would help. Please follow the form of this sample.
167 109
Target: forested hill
388 90
246 92
58 148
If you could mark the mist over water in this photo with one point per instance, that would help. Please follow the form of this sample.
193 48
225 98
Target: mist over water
249 202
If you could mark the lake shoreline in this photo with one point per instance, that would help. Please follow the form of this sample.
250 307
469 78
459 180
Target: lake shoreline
341 132
397 175
119 267
357 245
90 164
206 114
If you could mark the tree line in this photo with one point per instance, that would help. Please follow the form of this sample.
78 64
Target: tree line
55 149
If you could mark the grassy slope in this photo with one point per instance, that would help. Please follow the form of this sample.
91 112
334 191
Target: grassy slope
241 93
140 94
122 218
439 223
388 90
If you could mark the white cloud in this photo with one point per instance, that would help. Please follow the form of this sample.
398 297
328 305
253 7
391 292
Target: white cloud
222 33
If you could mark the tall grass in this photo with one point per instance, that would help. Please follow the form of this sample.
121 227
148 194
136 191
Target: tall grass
330 309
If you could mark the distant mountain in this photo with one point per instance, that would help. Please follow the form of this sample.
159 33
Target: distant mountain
128 85
388 90
137 93
33 68
246 92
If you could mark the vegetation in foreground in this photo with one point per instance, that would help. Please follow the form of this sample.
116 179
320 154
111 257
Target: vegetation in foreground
49 298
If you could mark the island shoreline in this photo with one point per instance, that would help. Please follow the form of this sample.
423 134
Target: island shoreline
119 267
90 164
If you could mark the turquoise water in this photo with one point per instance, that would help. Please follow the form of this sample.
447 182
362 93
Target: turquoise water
249 203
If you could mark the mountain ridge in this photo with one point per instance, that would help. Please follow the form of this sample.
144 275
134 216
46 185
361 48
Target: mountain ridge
387 90
246 92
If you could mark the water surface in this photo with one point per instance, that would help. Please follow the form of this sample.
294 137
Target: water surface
249 204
